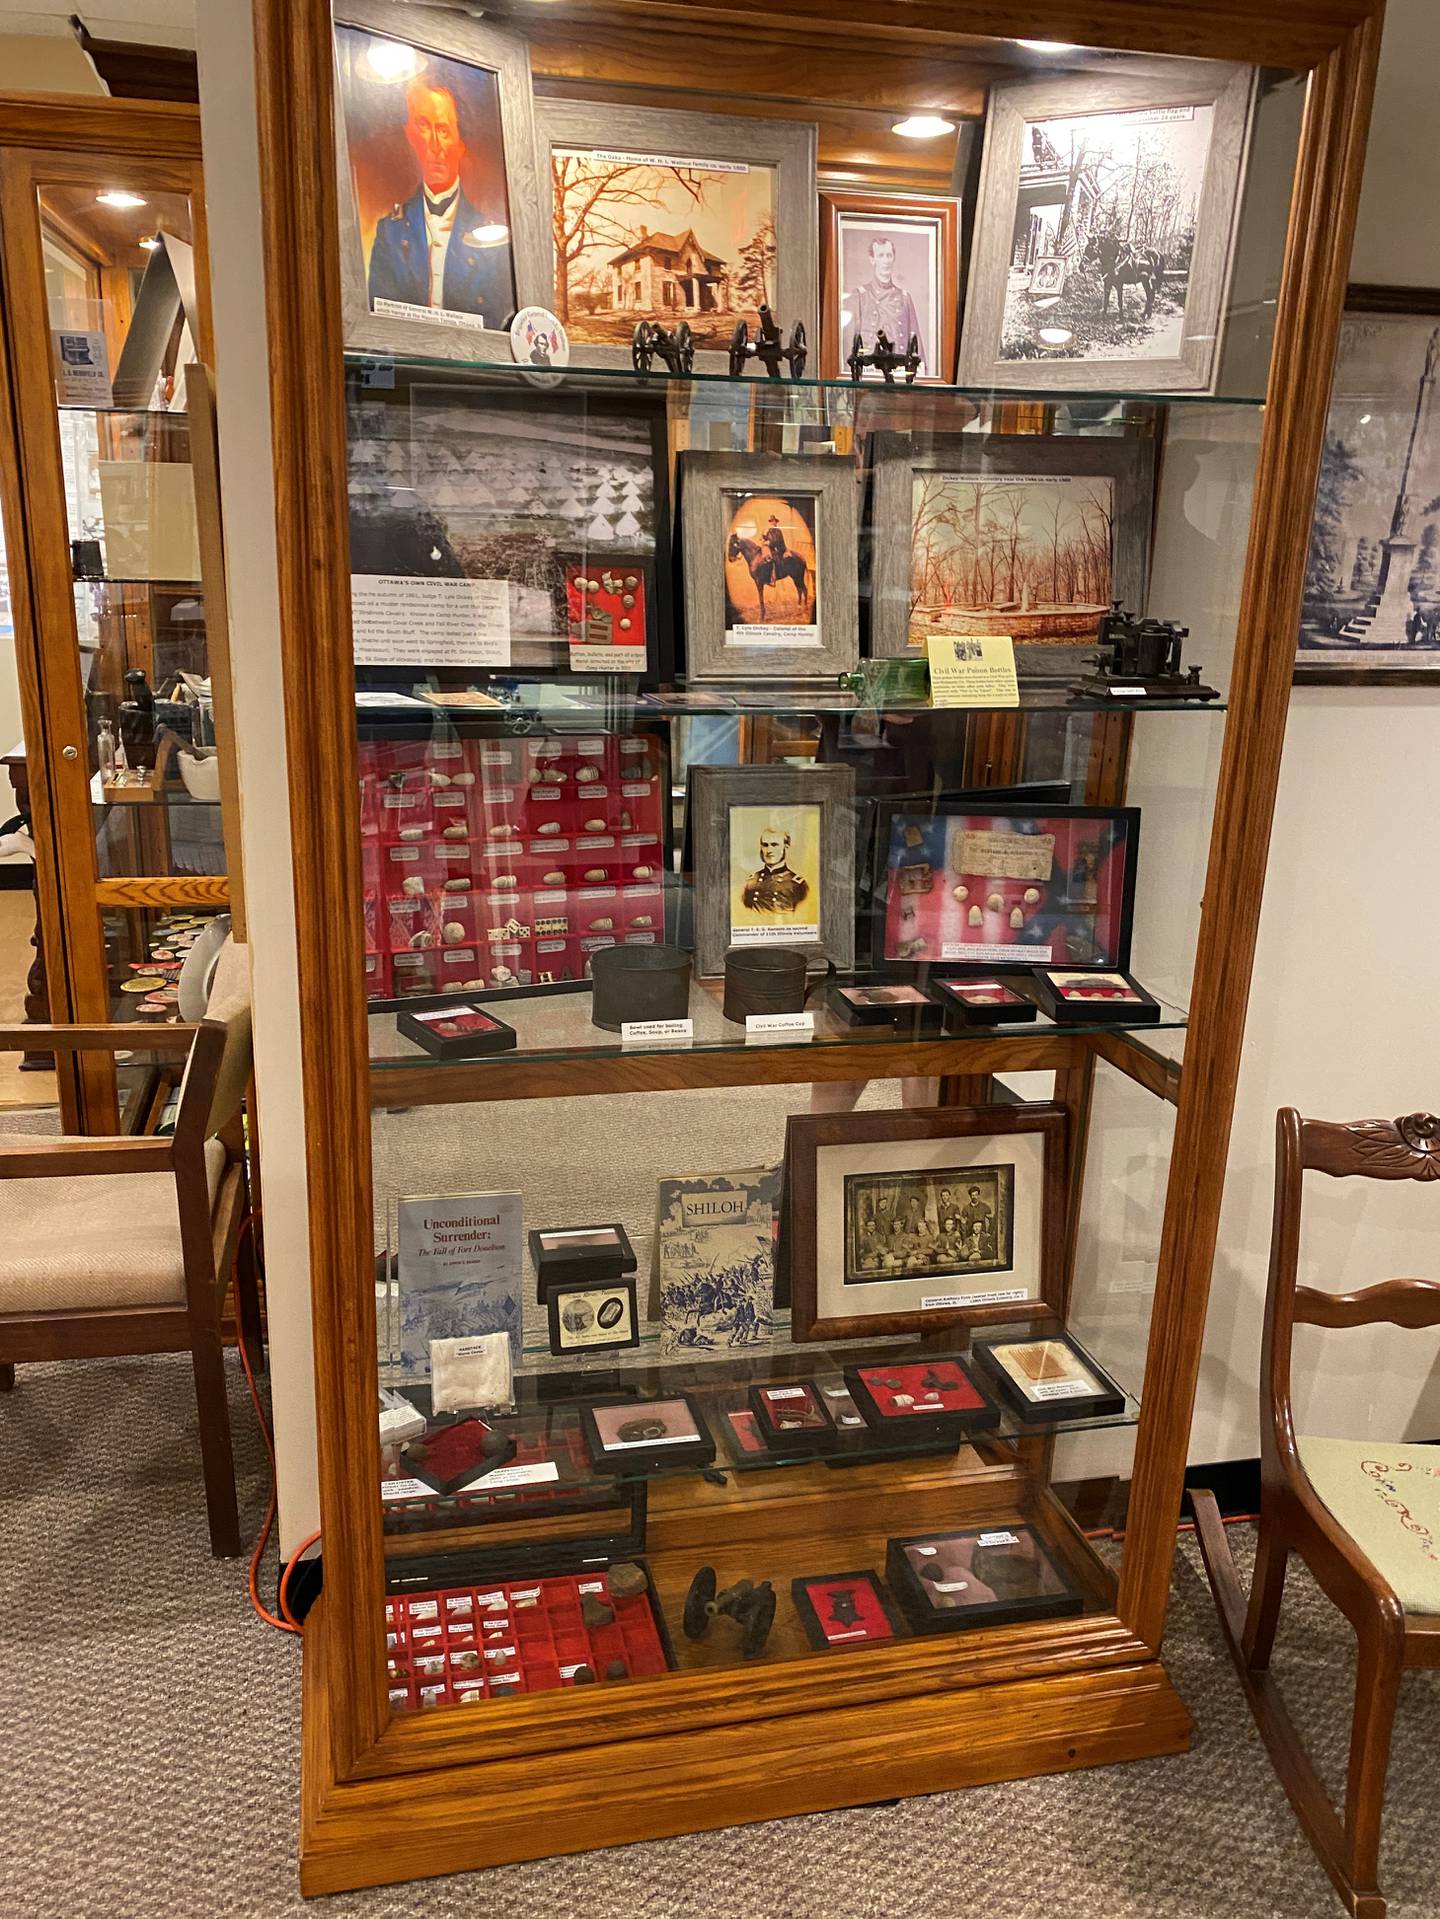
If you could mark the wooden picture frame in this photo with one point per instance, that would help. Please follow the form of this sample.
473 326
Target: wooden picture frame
897 461
1366 581
721 541
788 147
1015 132
833 1159
505 56
929 217
713 795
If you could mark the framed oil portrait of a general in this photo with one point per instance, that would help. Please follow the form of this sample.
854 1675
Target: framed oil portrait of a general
1028 534
768 548
773 852
443 234
909 1222
1104 228
889 264
1371 612
661 215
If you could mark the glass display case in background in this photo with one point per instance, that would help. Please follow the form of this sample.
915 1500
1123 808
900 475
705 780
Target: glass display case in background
106 309
720 1325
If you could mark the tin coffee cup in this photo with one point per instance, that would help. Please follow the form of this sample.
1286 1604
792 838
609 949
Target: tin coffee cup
768 979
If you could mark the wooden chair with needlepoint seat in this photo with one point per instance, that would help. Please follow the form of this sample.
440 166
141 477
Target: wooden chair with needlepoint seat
1364 1515
126 1244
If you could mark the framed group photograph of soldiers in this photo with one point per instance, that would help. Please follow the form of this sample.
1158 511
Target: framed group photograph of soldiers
909 1222
779 861
442 229
769 566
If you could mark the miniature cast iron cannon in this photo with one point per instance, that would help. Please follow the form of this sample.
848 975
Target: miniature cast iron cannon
768 348
885 358
750 1607
651 340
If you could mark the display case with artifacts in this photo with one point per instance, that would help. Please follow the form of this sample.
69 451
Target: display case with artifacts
796 1405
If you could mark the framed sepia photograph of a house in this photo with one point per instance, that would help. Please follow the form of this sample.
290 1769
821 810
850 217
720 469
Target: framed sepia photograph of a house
442 228
773 849
1024 534
914 1221
768 547
1104 230
1371 611
664 216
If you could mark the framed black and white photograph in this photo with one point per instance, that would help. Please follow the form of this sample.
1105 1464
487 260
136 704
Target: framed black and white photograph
443 235
774 860
908 1222
768 545
524 495
667 216
1104 230
1027 534
1371 612
889 264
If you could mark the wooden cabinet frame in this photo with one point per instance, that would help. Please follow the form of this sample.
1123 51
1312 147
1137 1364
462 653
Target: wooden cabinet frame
385 1799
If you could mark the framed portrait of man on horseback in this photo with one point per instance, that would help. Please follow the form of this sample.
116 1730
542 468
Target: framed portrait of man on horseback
1104 230
769 567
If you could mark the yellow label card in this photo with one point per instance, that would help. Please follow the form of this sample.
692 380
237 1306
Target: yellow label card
972 669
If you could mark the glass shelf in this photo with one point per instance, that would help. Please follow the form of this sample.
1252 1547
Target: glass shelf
557 1026
378 370
137 579
620 700
548 1403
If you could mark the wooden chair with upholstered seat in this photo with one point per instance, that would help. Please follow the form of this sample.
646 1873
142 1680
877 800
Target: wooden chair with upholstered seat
1364 1515
125 1244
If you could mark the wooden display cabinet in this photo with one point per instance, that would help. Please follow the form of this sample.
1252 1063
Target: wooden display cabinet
389 1796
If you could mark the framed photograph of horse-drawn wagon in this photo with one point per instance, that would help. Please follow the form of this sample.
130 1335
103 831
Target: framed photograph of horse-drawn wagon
1105 228
768 549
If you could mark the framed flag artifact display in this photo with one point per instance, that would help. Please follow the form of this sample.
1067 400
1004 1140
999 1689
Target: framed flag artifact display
955 886
981 1002
913 1221
844 1609
1091 997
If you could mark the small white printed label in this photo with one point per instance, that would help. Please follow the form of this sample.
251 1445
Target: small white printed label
997 1539
998 1296
504 1679
779 1026
530 1592
1127 692
499 1652
592 1585
981 950
651 1032
424 1609
534 1475
392 1489
607 659
459 1602
1062 1389
855 1632
785 1392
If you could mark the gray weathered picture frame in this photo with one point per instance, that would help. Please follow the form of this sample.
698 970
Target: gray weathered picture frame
712 792
705 479
505 55
1230 90
1129 464
789 146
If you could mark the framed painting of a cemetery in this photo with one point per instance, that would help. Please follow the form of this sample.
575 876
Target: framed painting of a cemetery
663 216
1007 533
1371 612
1103 237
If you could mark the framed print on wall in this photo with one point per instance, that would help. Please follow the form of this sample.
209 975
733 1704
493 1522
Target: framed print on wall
768 545
1029 534
1104 228
1371 611
442 228
958 886
664 215
889 262
909 1222
773 849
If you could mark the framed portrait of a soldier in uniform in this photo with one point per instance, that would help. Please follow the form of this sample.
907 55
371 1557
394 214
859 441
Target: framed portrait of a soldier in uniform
441 237
772 849
909 1222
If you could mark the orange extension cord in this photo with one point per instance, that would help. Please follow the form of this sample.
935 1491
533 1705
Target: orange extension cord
287 1622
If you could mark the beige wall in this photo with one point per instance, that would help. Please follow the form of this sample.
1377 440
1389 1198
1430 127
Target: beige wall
45 63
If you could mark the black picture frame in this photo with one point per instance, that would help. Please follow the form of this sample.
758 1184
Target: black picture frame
925 1617
815 1632
564 1342
1124 822
418 540
1143 1010
677 1456
1104 1404
962 1014
580 1265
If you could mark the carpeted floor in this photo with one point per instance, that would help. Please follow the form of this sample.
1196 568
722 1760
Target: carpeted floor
151 1734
